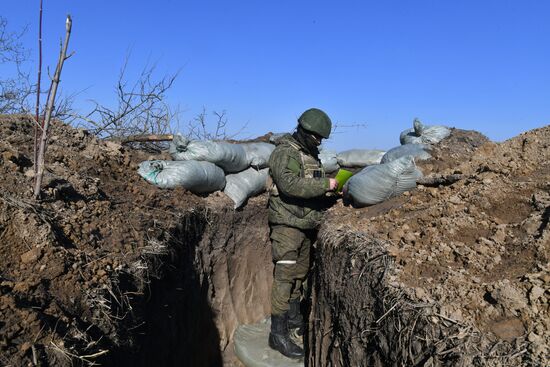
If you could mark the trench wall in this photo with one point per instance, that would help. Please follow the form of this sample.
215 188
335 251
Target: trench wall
216 276
346 300
360 317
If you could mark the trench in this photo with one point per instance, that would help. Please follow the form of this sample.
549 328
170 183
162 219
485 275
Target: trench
216 276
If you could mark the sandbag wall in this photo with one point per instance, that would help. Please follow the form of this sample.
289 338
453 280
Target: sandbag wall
241 170
201 167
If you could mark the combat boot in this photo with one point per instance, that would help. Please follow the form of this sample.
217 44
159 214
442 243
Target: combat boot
279 337
295 318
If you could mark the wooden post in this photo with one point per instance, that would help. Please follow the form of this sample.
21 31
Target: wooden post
146 138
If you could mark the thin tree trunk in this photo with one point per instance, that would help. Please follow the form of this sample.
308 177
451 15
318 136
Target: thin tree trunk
49 108
37 123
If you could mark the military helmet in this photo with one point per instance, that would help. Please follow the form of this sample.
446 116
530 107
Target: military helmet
316 121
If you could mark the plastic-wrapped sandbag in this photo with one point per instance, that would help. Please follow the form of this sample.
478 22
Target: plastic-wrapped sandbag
329 160
230 157
243 185
195 176
360 157
257 154
275 137
375 184
424 134
418 151
177 146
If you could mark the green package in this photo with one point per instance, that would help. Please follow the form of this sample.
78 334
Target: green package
342 177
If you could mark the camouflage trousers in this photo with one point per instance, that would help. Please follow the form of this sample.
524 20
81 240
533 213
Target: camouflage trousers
290 249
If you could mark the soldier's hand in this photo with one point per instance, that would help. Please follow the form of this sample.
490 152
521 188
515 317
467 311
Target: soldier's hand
333 184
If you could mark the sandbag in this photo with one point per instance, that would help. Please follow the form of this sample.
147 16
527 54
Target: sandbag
360 157
375 184
418 151
329 160
230 157
275 137
257 154
243 185
195 176
177 146
424 134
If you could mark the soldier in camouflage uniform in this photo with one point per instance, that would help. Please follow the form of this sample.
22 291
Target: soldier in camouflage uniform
295 211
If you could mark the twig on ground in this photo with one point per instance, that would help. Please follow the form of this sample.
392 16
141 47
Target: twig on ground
386 314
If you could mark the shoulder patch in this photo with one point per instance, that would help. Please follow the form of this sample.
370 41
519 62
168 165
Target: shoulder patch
294 165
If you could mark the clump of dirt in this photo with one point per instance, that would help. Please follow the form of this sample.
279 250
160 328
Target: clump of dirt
451 152
109 269
449 274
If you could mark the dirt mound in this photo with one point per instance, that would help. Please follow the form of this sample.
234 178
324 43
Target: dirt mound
80 271
471 255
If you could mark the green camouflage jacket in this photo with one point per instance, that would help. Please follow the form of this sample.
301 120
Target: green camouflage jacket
296 198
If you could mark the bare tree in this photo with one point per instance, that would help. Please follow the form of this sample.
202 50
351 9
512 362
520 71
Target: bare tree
15 87
140 107
201 127
38 124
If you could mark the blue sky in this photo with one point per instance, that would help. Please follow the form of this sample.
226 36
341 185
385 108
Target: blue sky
482 65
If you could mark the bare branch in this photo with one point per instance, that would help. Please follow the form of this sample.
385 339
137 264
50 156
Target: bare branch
15 85
200 128
340 126
140 107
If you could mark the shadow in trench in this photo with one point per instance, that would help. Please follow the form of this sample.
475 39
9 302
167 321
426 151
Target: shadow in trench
178 323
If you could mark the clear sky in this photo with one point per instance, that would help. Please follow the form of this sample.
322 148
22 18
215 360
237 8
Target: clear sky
482 65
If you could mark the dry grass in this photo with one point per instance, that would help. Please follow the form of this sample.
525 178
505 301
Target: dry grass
408 332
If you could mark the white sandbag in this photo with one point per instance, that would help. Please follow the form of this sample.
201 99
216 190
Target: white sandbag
230 157
275 137
243 185
360 157
418 151
329 160
178 145
424 134
195 176
257 154
375 184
